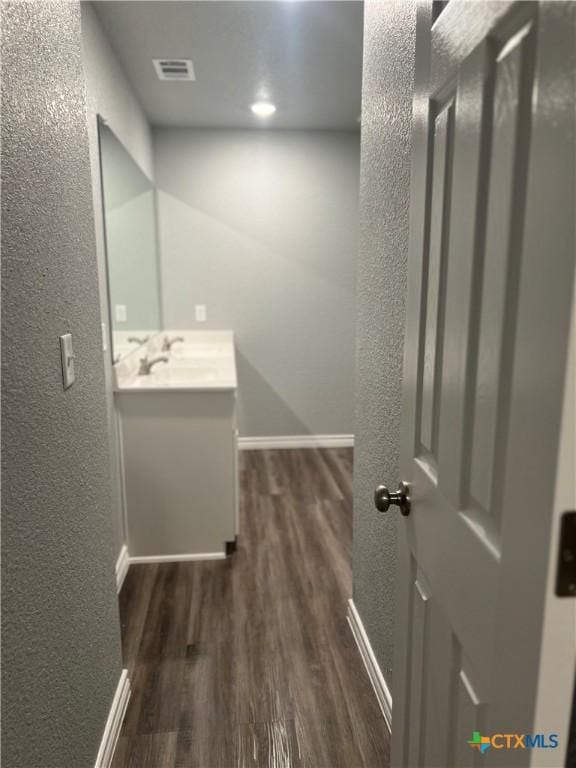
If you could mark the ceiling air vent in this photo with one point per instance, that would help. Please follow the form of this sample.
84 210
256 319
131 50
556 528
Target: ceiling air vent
174 69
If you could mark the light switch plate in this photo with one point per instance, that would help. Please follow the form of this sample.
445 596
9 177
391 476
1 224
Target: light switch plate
200 313
67 355
121 313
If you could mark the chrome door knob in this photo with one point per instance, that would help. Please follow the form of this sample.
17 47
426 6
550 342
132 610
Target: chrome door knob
383 499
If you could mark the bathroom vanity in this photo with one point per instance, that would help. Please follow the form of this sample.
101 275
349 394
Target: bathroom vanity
178 433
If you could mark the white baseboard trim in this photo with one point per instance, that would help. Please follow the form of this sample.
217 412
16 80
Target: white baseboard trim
114 722
177 558
372 667
295 441
122 565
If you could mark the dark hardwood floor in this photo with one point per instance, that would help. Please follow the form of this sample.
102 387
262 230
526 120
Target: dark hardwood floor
249 661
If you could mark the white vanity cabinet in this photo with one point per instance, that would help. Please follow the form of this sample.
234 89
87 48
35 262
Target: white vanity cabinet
179 443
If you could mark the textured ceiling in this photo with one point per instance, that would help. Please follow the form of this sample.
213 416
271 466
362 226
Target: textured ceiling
305 56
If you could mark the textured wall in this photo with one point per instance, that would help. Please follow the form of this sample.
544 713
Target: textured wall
61 656
110 95
261 226
389 29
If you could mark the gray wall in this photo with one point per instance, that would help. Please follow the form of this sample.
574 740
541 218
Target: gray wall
61 657
109 94
261 226
389 32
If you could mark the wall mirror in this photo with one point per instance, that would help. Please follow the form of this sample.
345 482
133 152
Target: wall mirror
131 247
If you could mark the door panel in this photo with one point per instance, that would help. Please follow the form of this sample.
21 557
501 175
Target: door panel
436 283
419 648
475 546
441 661
451 547
443 688
496 321
472 123
470 718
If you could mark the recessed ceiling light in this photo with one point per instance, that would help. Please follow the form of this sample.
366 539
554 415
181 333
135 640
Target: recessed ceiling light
263 108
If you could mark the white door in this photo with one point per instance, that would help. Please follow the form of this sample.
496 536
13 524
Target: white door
490 288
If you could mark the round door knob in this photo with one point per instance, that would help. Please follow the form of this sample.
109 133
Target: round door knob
383 499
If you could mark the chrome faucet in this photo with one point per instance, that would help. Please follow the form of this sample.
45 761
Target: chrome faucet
167 345
146 365
136 340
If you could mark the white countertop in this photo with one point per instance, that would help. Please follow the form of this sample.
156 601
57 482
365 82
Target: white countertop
203 361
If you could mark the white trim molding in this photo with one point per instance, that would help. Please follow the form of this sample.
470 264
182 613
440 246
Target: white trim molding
381 690
295 441
177 558
122 565
114 722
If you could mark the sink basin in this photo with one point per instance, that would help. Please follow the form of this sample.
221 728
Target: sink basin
162 378
205 361
185 351
196 363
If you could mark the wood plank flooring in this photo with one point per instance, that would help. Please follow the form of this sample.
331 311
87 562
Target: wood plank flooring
249 661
